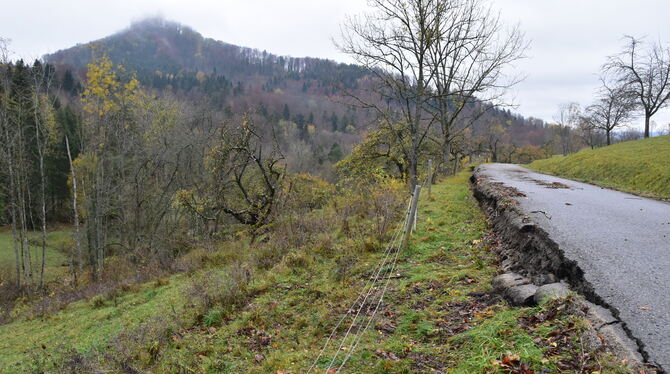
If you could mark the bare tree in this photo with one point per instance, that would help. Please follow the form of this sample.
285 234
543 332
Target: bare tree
245 168
566 119
589 134
613 108
471 51
645 73
44 124
76 251
394 42
434 61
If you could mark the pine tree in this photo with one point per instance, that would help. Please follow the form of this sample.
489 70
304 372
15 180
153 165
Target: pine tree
335 154
286 114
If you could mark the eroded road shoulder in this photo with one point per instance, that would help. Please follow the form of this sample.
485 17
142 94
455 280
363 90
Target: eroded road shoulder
610 246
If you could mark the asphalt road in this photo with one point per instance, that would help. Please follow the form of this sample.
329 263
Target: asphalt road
620 241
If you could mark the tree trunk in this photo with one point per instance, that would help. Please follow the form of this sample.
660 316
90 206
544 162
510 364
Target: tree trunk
43 207
647 120
413 179
447 152
76 254
608 132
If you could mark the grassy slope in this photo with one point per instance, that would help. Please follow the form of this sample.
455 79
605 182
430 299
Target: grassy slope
433 321
82 327
55 256
641 167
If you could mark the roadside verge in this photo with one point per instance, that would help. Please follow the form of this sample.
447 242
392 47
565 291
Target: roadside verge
531 259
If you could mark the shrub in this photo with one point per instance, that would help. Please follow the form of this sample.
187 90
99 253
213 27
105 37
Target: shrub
98 301
227 289
343 266
306 192
141 344
295 260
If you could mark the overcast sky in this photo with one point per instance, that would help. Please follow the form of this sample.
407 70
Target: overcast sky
570 39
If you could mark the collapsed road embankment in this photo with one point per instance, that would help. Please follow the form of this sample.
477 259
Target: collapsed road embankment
560 231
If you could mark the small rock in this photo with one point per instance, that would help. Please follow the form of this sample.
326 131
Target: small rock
599 316
521 295
551 291
258 358
547 278
508 280
591 340
620 344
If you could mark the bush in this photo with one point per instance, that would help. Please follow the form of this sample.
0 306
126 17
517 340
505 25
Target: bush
343 266
141 344
304 192
98 301
226 290
296 260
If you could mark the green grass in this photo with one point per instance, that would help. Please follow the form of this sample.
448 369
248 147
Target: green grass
430 320
82 327
298 307
641 167
58 243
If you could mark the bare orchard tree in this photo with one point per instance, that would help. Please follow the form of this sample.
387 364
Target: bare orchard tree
590 135
613 108
567 119
394 42
468 58
645 73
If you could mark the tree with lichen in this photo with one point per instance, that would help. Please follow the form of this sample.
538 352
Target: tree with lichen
245 169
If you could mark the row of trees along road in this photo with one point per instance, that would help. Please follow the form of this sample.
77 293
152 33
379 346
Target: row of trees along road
439 65
635 81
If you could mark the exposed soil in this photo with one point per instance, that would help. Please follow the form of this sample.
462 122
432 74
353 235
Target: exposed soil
527 249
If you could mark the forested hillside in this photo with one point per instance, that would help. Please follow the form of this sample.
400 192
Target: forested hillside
170 57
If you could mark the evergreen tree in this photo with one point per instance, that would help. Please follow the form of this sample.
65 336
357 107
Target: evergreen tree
335 154
334 122
68 82
302 126
286 114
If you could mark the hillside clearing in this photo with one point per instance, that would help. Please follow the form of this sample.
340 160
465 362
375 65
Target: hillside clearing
640 167
58 244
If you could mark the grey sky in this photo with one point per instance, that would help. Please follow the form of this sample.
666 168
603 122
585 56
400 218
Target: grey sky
570 38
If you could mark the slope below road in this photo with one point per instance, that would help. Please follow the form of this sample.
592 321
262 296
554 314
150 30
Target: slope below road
620 241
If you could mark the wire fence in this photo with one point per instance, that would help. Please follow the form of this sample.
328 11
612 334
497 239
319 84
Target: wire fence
363 310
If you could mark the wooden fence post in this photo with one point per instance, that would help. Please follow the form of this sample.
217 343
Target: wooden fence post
430 176
409 224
